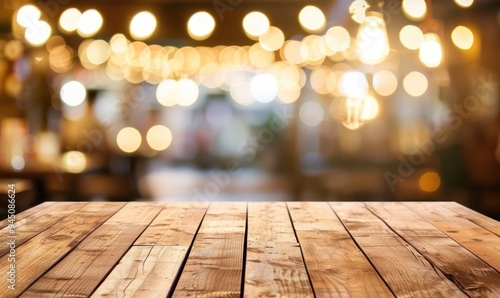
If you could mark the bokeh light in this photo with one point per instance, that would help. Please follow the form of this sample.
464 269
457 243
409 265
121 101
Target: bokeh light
38 33
414 10
287 96
353 84
311 113
118 43
264 87
429 181
54 42
272 40
143 25
98 52
312 19
13 85
259 57
74 161
415 83
385 82
61 58
311 49
28 15
291 52
184 92
17 163
255 24
89 23
337 39
462 37
201 25
68 21
13 49
370 108
240 91
431 50
323 80
73 93
411 37
129 139
159 137
166 92
187 92
464 3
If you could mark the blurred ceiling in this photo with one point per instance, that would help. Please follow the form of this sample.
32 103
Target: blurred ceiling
172 15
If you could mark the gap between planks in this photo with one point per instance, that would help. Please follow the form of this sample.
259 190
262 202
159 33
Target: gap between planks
335 264
42 252
472 275
465 232
214 266
387 252
152 266
274 263
82 269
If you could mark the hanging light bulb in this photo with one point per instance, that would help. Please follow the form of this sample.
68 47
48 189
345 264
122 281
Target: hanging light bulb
355 111
351 112
372 43
431 51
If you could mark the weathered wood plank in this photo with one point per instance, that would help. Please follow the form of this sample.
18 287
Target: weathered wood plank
81 271
314 216
274 265
37 255
462 230
215 263
175 225
150 270
31 226
467 271
337 268
145 271
481 220
27 213
269 222
387 252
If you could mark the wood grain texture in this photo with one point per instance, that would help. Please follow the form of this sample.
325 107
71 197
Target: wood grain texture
28 227
41 252
475 217
175 225
214 266
150 270
467 271
336 267
299 249
27 213
145 271
269 223
79 273
274 265
462 230
405 271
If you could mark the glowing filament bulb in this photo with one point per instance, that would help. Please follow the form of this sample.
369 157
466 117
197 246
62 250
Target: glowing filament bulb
372 43
351 113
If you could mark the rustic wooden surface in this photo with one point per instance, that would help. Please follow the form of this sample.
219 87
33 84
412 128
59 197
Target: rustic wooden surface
255 249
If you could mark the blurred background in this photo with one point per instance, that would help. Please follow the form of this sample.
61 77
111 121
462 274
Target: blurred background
251 100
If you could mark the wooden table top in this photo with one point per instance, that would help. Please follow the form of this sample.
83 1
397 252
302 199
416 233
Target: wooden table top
256 249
